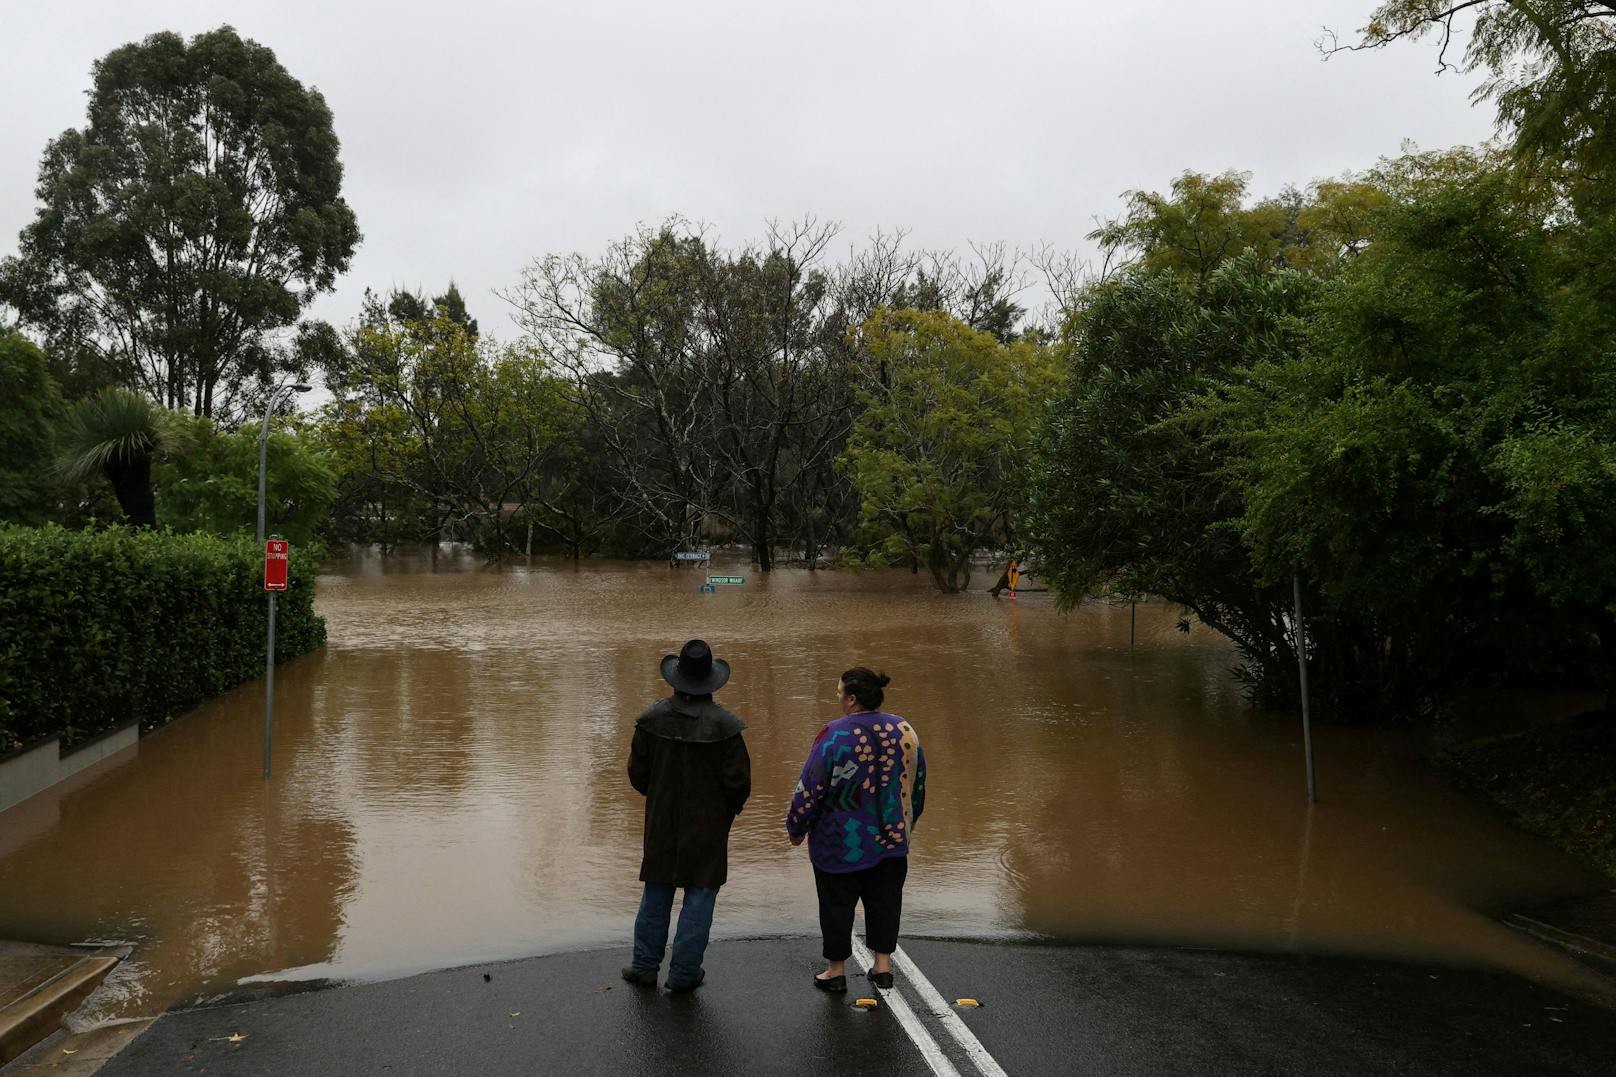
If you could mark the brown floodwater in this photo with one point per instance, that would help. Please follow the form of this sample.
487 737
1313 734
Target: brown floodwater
449 788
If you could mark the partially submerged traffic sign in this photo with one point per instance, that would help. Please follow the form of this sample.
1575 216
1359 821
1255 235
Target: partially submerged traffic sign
275 559
726 579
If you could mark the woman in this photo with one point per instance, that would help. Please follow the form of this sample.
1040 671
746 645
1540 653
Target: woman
861 792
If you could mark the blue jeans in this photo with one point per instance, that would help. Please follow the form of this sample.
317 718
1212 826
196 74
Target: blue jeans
689 944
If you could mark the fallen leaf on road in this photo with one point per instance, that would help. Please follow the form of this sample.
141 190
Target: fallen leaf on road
516 1013
70 1051
235 1037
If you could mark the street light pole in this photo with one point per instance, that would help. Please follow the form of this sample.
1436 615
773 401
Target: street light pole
269 654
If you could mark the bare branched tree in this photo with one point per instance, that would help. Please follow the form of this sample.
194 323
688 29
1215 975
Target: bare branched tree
625 330
722 383
1066 275
777 414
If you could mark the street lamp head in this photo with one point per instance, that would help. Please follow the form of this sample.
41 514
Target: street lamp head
301 388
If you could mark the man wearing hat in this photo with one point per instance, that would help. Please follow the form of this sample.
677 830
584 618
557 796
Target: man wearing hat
690 763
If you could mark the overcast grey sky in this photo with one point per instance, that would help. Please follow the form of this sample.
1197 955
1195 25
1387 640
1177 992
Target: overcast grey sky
479 134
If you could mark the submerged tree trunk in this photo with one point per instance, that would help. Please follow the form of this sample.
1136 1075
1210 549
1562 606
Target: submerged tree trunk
761 549
761 513
959 573
951 574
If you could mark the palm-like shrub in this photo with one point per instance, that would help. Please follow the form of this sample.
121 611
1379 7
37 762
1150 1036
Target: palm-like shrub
118 433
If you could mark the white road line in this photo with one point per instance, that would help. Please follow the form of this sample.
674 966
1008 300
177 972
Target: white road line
952 1021
933 1054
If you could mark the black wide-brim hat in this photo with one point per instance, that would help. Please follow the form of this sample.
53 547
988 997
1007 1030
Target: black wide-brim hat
694 671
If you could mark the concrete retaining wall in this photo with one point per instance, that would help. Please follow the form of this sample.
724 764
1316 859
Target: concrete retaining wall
37 768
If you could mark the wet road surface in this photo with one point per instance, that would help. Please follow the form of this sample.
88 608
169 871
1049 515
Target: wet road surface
1045 1010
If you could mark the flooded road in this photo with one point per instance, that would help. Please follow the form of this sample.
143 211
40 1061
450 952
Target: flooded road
449 788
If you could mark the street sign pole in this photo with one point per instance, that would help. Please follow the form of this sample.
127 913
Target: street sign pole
277 552
269 685
1301 662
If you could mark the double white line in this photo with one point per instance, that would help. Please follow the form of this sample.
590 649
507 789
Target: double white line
931 999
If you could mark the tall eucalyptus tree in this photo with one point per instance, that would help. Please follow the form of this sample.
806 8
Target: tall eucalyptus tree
192 219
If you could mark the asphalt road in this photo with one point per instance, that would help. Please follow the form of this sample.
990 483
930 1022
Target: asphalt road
1045 1010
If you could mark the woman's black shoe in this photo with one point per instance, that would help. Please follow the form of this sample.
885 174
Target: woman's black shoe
880 979
836 984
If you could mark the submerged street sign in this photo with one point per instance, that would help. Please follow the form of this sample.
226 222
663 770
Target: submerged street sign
726 579
688 555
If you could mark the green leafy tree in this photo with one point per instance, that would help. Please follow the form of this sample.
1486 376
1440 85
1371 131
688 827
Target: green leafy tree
434 431
1206 220
1340 418
1127 498
406 306
368 445
195 216
210 483
939 455
30 408
1127 494
1524 409
1438 460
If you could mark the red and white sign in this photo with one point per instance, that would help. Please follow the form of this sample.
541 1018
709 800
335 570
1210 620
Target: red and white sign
275 555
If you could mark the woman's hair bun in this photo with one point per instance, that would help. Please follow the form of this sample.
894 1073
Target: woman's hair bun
865 684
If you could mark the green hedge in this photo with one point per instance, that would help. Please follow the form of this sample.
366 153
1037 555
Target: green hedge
101 627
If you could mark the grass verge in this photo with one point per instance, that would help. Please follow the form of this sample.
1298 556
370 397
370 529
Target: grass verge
1557 781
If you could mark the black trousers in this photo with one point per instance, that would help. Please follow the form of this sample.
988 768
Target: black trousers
880 888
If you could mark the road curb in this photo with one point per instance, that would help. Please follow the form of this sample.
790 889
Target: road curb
1561 937
39 1011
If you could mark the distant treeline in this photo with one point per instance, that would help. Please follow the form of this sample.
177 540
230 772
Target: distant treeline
1395 389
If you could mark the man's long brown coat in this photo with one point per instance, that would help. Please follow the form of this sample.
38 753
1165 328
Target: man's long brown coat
689 760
